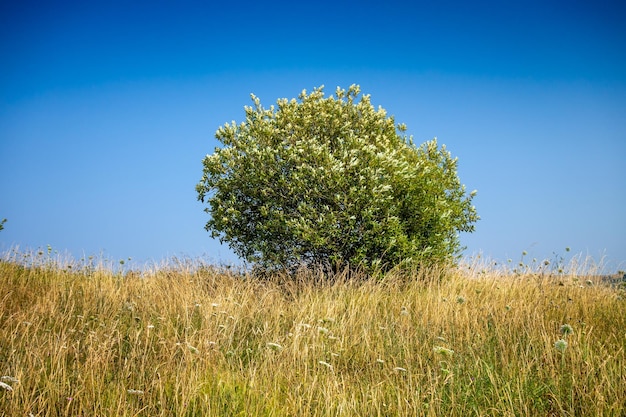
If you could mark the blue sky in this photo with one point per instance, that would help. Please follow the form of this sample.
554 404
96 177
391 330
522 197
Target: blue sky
107 109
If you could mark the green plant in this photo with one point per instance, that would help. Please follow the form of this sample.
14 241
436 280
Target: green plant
332 181
2 223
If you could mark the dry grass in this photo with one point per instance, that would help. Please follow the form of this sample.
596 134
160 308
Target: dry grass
203 342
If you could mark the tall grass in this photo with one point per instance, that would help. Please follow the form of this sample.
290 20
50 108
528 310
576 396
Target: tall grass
200 341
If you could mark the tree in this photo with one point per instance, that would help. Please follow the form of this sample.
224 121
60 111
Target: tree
2 223
332 181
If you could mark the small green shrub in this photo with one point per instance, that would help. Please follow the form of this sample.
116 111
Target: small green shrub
332 181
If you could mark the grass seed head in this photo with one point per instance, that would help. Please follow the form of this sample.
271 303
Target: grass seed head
443 351
274 346
5 386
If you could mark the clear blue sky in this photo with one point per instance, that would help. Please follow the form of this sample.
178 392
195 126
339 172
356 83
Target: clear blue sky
107 109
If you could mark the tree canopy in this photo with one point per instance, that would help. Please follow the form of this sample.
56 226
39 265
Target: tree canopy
332 181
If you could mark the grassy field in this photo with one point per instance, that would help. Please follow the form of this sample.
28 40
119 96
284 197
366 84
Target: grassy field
196 341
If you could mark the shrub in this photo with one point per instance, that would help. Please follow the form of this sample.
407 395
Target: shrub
332 181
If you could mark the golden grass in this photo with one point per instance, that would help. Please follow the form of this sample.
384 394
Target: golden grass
204 342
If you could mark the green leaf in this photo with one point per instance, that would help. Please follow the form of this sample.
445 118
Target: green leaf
331 180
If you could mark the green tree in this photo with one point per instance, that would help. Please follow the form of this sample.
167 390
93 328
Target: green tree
332 181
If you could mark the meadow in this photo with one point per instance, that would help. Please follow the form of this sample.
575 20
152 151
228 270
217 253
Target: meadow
187 339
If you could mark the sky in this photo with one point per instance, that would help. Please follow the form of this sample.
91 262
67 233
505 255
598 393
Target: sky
108 108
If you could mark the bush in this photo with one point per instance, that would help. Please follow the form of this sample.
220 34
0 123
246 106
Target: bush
332 181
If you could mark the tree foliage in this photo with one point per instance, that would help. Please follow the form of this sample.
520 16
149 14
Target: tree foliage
332 181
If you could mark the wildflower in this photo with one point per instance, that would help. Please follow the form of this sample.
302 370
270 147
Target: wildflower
5 386
566 329
560 345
